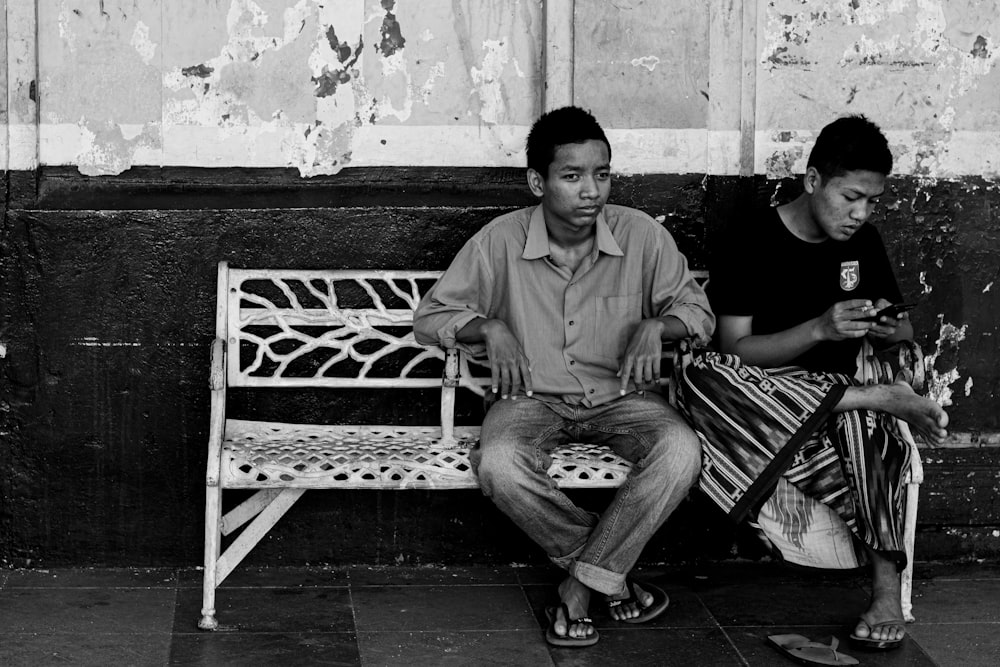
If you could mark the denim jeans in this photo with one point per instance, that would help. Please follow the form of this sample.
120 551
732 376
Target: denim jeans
599 550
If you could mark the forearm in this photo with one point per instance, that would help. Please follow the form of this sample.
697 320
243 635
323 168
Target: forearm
777 349
673 328
476 330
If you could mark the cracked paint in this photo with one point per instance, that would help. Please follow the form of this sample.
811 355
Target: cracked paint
392 37
939 383
926 65
926 289
254 83
488 80
649 62
140 41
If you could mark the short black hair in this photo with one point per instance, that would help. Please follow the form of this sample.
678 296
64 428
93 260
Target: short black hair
850 143
565 125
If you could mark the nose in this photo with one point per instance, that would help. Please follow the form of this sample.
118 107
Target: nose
861 211
589 188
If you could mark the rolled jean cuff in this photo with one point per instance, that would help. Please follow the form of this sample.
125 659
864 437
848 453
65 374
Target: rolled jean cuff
597 578
566 562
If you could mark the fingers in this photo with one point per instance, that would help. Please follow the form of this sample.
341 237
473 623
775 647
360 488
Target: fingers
526 376
644 370
507 377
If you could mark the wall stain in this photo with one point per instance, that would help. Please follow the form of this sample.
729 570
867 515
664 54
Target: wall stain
392 37
979 49
328 80
938 383
202 71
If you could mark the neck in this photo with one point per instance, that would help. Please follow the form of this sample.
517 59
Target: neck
798 219
570 238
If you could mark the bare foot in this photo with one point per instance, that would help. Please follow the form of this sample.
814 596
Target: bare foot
883 620
925 416
576 596
633 608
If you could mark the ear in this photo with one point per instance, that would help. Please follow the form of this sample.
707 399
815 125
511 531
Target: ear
536 182
812 180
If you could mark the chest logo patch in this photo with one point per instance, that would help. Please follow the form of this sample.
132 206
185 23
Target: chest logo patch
850 275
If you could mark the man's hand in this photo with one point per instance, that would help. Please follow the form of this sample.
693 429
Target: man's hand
642 355
840 321
886 326
509 368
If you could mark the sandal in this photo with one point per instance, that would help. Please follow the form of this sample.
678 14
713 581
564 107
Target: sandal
565 640
869 644
656 607
801 649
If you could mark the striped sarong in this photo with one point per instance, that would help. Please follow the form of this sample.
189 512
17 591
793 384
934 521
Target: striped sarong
760 426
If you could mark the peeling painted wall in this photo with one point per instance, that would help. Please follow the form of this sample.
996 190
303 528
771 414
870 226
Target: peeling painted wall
925 70
643 64
314 84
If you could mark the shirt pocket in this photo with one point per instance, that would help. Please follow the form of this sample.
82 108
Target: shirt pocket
615 321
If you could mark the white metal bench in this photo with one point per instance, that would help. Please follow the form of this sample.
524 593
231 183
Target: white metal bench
341 329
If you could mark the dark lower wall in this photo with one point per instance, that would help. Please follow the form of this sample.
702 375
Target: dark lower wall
106 317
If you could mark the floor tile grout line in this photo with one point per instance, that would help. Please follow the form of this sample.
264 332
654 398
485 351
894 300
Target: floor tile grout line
739 654
173 617
354 620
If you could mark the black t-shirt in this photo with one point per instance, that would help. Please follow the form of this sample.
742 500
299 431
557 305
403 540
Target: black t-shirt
765 271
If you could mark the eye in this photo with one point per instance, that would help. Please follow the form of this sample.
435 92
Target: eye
571 177
603 175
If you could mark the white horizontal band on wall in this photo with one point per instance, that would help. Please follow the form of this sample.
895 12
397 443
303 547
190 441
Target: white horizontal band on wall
642 151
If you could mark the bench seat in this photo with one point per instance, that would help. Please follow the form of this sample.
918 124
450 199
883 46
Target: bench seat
260 455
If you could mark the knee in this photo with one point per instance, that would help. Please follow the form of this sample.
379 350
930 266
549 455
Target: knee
500 469
679 452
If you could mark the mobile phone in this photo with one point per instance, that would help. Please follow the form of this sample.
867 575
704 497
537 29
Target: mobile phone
893 311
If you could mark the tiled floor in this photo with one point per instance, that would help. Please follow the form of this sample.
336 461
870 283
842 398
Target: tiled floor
720 614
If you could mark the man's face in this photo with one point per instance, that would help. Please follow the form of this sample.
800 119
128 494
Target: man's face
841 204
577 185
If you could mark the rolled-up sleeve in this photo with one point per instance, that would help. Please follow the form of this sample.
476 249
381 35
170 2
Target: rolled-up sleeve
675 292
461 295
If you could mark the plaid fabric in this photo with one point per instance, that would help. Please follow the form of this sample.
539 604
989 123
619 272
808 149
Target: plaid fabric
758 426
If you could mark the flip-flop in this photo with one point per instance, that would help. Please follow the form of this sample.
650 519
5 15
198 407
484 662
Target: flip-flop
803 650
565 640
869 644
660 601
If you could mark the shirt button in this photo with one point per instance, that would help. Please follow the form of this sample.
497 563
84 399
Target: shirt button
572 362
591 391
571 322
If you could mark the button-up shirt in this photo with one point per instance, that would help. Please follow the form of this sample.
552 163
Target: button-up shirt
573 327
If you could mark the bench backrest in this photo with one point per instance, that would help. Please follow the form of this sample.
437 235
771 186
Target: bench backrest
331 329
324 328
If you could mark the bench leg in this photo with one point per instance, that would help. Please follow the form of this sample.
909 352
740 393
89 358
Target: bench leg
213 540
909 534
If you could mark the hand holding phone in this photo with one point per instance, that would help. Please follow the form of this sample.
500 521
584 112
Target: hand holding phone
893 311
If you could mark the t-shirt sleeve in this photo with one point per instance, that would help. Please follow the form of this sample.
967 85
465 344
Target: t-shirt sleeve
731 288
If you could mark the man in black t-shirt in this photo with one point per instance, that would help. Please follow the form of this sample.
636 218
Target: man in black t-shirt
778 411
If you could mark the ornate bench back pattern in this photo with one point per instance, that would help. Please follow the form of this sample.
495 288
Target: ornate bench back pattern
333 329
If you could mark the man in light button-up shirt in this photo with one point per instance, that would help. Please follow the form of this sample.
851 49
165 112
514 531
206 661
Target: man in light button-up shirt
571 301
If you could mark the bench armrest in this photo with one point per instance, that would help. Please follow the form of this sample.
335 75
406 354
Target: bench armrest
217 423
217 372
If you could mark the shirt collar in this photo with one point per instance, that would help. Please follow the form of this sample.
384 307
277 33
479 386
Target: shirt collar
537 244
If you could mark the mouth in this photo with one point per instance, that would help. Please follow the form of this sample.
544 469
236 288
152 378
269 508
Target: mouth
589 210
